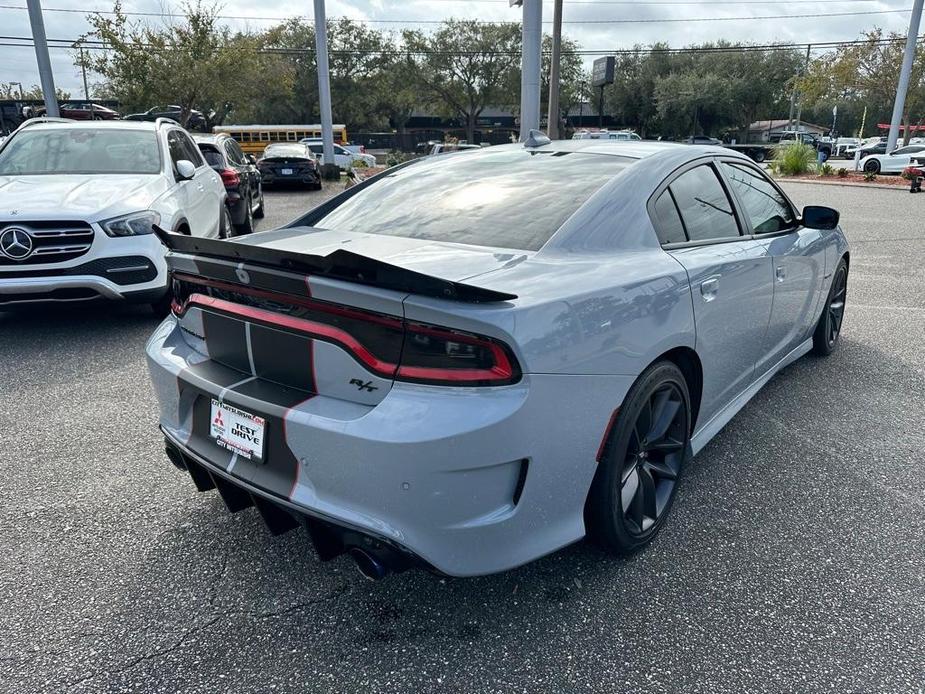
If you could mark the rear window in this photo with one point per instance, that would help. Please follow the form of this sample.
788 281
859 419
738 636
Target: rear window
508 198
212 156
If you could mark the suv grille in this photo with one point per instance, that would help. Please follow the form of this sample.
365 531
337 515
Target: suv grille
52 241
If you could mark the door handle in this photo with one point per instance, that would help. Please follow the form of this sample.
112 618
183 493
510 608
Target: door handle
709 287
780 272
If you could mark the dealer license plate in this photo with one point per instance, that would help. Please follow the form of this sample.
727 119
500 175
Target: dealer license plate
238 431
286 172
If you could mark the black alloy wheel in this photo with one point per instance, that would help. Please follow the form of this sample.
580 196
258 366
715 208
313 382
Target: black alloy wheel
828 330
872 166
638 475
261 210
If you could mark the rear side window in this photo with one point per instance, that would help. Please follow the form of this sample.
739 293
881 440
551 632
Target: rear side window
668 224
508 198
704 205
212 156
765 207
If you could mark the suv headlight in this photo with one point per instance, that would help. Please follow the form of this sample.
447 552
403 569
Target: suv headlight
134 224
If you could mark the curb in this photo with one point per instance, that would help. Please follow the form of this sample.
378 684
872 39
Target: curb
880 186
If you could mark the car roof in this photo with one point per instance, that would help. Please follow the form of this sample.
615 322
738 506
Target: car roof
210 139
284 146
68 124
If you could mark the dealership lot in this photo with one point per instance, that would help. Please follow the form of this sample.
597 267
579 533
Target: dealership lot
794 559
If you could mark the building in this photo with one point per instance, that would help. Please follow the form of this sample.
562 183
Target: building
771 130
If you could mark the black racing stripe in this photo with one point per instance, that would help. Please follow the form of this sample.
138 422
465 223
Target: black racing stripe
213 372
226 340
283 357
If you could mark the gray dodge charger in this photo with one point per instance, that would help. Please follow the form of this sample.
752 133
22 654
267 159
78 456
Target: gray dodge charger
472 360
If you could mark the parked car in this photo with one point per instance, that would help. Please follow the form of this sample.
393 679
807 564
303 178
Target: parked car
196 121
349 146
605 135
424 371
79 202
872 145
445 148
239 173
423 148
703 140
843 144
823 146
343 157
289 162
81 111
894 162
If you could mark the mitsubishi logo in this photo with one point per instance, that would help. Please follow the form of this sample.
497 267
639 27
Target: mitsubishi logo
15 243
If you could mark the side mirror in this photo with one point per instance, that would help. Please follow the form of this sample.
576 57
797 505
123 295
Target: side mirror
185 169
818 217
252 159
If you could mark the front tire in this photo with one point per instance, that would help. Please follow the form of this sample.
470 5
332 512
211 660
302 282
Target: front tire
643 459
872 166
828 329
758 156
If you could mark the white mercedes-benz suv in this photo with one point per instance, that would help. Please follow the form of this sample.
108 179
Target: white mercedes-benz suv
78 202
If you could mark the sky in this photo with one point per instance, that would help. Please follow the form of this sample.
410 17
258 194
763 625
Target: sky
602 25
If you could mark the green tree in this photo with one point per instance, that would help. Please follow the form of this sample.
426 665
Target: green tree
13 90
194 62
465 66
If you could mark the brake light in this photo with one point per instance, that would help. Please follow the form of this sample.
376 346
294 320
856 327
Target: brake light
386 345
229 177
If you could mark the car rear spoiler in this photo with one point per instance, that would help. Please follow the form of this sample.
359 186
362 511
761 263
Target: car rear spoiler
341 265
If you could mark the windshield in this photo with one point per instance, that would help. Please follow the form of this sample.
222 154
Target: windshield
80 151
490 198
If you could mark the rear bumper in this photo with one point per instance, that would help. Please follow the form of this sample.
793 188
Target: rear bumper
269 178
469 480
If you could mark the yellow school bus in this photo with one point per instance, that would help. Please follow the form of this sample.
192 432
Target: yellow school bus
254 138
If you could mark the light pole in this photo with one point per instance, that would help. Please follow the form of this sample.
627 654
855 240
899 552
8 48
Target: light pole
903 87
41 56
324 90
552 116
531 65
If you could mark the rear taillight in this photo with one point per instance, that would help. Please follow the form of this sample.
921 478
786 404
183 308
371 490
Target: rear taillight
386 345
362 149
230 177
432 354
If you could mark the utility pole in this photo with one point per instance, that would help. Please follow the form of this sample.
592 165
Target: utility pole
793 94
903 87
531 65
552 116
324 89
83 69
41 56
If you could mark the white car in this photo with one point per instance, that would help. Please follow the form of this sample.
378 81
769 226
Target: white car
619 135
343 157
895 162
78 202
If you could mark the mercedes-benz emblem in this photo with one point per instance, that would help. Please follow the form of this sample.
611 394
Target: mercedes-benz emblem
15 243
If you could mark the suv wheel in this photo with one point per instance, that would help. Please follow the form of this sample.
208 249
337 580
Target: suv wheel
247 226
260 211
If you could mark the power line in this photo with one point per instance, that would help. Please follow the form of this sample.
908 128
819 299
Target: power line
175 15
95 44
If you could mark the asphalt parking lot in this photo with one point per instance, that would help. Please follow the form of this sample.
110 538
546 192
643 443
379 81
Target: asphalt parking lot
794 559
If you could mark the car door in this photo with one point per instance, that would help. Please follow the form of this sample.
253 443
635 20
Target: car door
729 274
208 190
899 159
201 216
797 255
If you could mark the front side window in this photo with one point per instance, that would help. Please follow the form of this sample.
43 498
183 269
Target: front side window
80 151
487 198
764 206
704 205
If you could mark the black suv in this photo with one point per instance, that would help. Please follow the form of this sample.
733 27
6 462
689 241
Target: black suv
241 178
196 121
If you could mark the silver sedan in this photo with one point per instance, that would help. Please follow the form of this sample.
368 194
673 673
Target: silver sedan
472 360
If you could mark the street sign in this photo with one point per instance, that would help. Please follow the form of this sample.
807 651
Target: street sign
602 71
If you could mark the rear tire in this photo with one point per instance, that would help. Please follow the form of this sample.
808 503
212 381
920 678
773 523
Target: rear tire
758 156
643 459
261 210
225 227
247 226
828 329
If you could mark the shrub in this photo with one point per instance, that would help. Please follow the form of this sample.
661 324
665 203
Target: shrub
843 172
870 176
794 159
912 172
826 170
